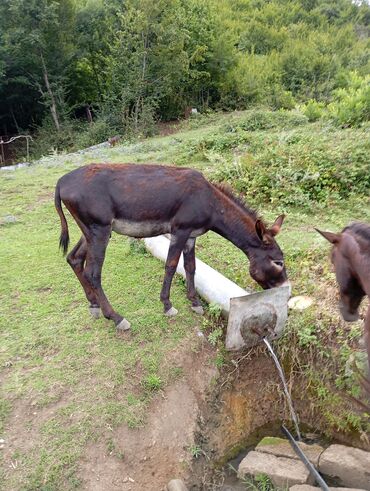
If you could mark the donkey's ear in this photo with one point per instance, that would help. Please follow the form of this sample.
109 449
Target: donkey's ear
275 229
261 230
330 236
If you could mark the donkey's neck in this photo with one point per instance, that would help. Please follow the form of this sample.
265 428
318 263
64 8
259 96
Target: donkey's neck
234 223
359 260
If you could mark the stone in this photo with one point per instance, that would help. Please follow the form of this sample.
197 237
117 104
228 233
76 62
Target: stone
284 472
15 166
301 302
307 487
350 466
9 219
176 485
282 448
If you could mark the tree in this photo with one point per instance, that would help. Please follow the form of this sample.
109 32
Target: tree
36 40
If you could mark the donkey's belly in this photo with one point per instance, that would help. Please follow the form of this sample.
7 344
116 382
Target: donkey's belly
140 229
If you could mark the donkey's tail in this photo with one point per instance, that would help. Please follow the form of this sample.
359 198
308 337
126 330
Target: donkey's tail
64 235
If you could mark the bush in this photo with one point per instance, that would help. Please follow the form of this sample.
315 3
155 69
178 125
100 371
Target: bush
47 139
302 171
278 98
263 120
313 110
96 132
351 105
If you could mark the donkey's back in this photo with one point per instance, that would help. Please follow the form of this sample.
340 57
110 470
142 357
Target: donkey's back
137 200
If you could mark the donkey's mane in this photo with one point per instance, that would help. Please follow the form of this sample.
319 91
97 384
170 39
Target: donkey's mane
227 191
362 230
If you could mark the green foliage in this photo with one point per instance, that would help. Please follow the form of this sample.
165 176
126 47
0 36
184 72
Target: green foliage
263 120
351 105
195 451
152 382
302 170
131 63
215 335
214 311
313 110
96 132
261 482
47 140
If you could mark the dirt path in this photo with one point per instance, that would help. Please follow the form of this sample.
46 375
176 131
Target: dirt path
146 459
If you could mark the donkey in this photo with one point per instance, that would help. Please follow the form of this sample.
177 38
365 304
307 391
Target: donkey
350 256
150 200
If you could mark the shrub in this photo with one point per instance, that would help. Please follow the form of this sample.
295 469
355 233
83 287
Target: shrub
303 171
313 110
263 120
351 105
278 98
47 139
96 132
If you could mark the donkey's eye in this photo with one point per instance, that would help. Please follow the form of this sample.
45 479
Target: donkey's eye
280 264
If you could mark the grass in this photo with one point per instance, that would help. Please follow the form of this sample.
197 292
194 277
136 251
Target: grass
71 379
77 375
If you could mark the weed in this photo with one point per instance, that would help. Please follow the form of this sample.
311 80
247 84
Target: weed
220 359
152 382
215 336
215 311
260 482
137 246
195 451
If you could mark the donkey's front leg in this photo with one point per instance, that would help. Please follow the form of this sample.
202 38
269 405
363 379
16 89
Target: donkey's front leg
367 337
189 266
178 241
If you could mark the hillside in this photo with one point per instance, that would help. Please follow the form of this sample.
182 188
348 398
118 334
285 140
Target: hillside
74 390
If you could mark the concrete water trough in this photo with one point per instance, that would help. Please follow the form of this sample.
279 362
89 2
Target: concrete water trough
251 316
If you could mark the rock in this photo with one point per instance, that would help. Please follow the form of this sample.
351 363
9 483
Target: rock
9 219
301 302
284 472
176 485
282 448
16 166
307 487
351 466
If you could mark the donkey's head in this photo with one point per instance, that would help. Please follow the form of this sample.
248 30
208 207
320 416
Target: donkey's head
266 259
351 292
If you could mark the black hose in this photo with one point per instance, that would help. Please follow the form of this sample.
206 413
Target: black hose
320 481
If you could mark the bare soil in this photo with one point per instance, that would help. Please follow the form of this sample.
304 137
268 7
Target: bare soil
193 427
145 459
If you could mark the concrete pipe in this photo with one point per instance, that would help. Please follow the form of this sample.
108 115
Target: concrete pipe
250 316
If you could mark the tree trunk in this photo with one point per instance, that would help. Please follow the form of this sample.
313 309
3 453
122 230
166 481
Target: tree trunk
89 115
53 106
14 119
95 72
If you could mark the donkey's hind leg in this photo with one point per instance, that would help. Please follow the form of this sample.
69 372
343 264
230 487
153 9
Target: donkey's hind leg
189 266
76 259
97 241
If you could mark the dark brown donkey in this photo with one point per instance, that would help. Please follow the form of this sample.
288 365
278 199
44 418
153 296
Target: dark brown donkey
350 256
149 200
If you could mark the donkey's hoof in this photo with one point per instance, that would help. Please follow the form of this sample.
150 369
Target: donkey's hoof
198 309
124 325
171 312
95 312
